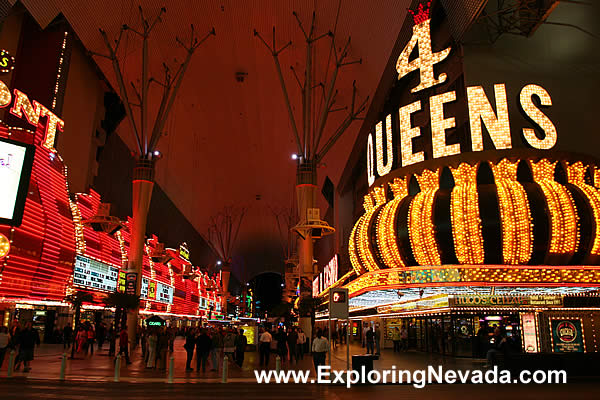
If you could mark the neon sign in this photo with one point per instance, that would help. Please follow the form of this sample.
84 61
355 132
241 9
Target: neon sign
32 112
480 111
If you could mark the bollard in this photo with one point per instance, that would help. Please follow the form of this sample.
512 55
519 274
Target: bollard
63 365
277 364
11 363
118 368
171 368
225 367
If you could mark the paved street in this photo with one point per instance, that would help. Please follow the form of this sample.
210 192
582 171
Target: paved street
30 389
100 367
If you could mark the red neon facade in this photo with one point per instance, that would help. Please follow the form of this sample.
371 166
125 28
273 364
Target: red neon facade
40 263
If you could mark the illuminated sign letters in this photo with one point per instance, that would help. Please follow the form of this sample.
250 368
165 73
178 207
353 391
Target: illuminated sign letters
32 112
481 112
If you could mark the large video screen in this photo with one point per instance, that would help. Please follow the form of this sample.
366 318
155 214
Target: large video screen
16 160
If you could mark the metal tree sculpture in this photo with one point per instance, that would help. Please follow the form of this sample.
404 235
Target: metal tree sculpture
146 138
313 132
221 237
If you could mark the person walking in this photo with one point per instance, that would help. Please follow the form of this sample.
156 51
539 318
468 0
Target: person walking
292 340
320 346
27 340
370 339
203 345
100 334
81 339
152 341
4 339
396 339
91 338
281 338
377 339
404 339
265 347
162 346
124 344
190 344
67 336
300 343
240 348
112 340
215 349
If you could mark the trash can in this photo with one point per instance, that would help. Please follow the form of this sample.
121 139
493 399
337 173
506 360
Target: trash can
363 360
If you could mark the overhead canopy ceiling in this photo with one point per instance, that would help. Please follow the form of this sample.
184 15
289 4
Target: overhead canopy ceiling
230 142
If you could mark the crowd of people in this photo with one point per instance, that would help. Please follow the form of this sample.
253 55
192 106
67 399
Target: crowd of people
22 340
289 346
214 343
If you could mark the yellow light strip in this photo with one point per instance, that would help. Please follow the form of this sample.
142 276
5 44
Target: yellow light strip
576 176
421 228
373 201
564 234
515 216
386 226
464 214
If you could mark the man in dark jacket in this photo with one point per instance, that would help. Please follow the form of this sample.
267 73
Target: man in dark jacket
240 348
370 341
27 340
292 339
203 345
190 344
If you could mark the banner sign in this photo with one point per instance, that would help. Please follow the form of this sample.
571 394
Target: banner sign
530 334
505 301
156 291
92 274
567 336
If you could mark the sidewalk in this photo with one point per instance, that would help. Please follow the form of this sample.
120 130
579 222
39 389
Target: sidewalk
100 367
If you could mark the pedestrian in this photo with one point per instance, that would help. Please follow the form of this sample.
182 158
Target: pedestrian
292 340
300 343
67 336
162 346
91 338
152 342
396 339
240 348
377 339
27 340
334 338
282 344
370 339
171 336
112 340
81 339
404 338
203 345
144 342
190 344
215 349
4 339
366 330
265 347
100 334
320 346
124 343
344 334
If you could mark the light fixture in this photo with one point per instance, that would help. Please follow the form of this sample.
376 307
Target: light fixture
294 156
219 262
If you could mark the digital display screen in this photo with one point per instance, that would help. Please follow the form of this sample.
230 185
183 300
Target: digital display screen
16 160
92 274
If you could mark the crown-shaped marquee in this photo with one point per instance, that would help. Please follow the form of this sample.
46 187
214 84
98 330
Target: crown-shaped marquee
422 13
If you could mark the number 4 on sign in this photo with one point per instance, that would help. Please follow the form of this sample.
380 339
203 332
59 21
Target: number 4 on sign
424 62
